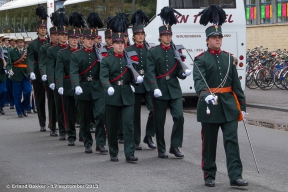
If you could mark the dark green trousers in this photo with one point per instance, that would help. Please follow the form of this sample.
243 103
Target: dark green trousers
60 112
70 114
209 134
51 109
120 127
159 111
95 107
137 116
39 95
112 113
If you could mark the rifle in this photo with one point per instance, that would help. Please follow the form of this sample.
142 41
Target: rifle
130 62
178 55
148 45
99 52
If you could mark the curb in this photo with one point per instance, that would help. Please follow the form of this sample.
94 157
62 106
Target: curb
260 106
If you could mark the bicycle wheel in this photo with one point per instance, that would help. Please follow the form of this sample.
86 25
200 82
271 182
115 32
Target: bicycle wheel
250 81
264 79
277 80
285 80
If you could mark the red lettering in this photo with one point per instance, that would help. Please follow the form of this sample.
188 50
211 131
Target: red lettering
177 17
230 19
184 19
195 18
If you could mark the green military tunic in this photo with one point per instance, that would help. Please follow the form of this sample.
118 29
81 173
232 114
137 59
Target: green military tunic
121 102
142 91
50 66
38 88
19 72
91 101
160 60
62 74
50 93
213 65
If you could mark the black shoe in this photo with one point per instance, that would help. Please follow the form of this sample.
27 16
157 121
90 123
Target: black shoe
29 112
92 130
62 137
2 111
148 140
81 139
239 183
101 149
71 143
34 110
114 159
131 159
209 183
163 155
42 129
138 147
121 141
6 105
20 116
53 134
56 128
25 113
88 149
12 107
176 152
77 125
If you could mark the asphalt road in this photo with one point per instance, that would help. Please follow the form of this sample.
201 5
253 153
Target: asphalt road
28 156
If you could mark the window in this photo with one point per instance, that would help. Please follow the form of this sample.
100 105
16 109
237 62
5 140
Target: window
265 11
107 8
251 14
199 4
282 11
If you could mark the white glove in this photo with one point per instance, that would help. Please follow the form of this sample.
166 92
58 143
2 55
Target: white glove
61 90
78 90
210 98
10 72
32 76
187 72
52 86
44 78
110 91
157 93
133 89
244 114
139 79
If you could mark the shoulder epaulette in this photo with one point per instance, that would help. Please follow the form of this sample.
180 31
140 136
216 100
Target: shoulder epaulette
202 53
228 52
63 49
77 50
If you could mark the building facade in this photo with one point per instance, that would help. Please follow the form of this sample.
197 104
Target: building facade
267 23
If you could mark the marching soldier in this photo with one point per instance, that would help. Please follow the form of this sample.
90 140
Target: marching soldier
51 64
84 72
163 73
33 67
108 41
142 91
17 68
3 90
221 102
43 72
118 82
63 83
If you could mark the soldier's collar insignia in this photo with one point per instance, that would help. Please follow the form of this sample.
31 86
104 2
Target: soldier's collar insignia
215 52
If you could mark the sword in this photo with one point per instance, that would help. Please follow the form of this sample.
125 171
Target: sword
251 146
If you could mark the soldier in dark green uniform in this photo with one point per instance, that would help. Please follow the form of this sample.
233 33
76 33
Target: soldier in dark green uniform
142 91
52 52
221 100
3 89
63 83
33 69
163 72
17 67
108 41
84 72
43 72
118 82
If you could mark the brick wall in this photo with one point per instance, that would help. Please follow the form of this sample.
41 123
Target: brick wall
273 36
